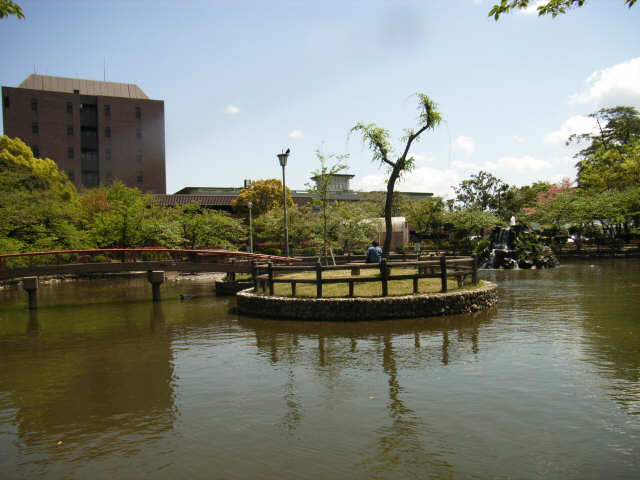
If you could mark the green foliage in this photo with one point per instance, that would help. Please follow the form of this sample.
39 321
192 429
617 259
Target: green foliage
377 139
469 222
552 7
426 216
7 7
481 192
39 206
321 189
264 195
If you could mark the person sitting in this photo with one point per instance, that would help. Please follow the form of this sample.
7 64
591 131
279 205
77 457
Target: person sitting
374 253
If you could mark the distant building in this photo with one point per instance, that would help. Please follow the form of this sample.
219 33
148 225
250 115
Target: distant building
97 132
220 198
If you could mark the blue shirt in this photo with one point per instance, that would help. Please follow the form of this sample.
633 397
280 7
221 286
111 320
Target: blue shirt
374 254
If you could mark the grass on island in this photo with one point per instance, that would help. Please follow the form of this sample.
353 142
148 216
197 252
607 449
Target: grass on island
369 289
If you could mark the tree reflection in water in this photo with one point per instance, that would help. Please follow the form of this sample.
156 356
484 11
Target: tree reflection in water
339 347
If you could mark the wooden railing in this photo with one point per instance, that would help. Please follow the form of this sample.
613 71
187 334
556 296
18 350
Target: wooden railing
59 257
265 276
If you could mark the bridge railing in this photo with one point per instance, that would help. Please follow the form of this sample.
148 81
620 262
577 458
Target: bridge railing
132 255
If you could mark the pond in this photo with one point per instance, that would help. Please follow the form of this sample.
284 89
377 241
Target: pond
102 383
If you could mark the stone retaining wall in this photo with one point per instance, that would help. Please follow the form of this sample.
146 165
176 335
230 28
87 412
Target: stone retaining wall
361 308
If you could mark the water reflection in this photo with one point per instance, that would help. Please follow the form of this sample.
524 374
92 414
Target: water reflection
99 394
390 347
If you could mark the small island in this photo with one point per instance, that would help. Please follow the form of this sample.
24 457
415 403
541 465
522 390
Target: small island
425 287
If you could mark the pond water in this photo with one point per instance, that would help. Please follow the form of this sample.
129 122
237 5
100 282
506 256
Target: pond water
101 383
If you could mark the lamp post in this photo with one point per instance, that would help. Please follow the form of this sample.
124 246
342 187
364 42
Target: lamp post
282 158
250 204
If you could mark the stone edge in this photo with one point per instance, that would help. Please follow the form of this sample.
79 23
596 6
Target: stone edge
362 309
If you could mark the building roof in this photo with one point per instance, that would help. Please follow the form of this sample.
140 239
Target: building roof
203 200
85 87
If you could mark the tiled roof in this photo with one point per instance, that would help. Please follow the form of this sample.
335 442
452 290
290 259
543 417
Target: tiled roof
203 200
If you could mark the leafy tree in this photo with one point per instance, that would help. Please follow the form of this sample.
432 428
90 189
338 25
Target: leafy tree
39 206
321 190
552 7
304 225
377 139
263 194
201 228
517 200
7 7
482 192
352 230
613 169
469 221
610 157
427 215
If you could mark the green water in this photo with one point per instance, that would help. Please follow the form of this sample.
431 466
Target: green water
544 386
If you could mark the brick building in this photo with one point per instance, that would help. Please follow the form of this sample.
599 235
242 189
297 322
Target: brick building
95 131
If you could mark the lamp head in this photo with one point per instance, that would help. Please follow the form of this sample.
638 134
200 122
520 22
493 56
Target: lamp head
282 158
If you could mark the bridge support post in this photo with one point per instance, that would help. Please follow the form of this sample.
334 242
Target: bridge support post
30 284
156 278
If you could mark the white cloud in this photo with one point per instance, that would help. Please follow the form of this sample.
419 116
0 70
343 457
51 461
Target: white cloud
577 124
232 109
525 163
522 164
616 85
296 134
465 144
460 165
423 179
518 138
420 158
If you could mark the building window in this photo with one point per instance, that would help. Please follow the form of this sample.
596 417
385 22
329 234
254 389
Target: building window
69 107
107 154
138 112
36 151
76 92
107 132
139 157
138 133
139 178
70 153
34 104
7 103
107 110
72 175
34 127
70 130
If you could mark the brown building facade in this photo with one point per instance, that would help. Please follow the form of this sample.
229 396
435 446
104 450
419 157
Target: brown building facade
97 132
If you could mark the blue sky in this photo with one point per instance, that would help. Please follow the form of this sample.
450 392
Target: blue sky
243 80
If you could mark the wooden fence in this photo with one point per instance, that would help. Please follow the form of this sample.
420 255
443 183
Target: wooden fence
265 276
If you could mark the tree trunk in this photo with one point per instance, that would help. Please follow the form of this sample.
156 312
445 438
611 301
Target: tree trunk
395 173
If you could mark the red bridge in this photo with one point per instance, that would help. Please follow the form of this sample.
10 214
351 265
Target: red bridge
155 261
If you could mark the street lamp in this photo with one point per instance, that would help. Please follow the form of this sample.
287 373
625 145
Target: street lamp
250 204
282 158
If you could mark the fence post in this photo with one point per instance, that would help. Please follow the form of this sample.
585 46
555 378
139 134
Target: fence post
415 285
474 275
318 279
384 273
350 288
254 274
293 288
443 272
270 274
